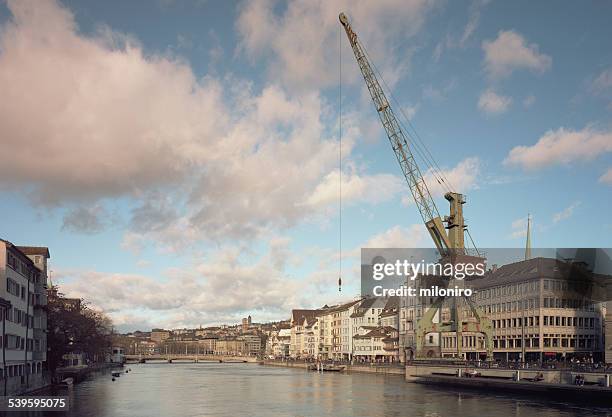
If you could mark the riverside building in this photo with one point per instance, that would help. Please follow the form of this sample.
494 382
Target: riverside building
23 319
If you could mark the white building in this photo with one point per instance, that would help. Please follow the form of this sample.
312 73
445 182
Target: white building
23 295
376 344
304 334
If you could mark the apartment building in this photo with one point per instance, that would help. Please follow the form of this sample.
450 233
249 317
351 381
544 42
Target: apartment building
543 309
376 344
23 336
342 330
389 317
304 341
278 342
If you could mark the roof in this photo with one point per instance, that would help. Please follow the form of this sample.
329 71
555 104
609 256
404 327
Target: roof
298 316
391 308
35 250
533 269
377 332
364 306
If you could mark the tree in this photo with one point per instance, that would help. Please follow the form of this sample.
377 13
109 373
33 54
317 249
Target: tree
74 326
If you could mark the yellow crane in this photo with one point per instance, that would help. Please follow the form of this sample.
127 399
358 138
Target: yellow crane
448 234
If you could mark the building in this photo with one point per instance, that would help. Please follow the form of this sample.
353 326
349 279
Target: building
304 323
376 344
278 342
23 296
608 333
252 344
159 335
389 317
543 309
246 323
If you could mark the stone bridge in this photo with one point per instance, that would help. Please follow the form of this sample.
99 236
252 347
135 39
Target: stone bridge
172 357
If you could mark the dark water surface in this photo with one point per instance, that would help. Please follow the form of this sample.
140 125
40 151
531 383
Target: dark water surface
213 389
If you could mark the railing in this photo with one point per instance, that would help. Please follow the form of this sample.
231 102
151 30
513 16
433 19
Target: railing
567 366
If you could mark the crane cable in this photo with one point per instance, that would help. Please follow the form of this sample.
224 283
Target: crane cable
340 171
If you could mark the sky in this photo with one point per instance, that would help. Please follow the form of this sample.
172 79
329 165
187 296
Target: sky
181 159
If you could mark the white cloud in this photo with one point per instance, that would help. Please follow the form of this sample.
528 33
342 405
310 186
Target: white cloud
300 44
115 121
606 178
473 20
461 178
519 228
220 288
451 42
566 213
414 236
529 101
510 51
561 146
603 81
372 189
493 103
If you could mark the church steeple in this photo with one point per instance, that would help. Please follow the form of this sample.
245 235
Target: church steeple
528 243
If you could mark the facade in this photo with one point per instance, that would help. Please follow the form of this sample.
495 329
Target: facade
303 343
376 344
23 296
608 333
389 317
159 335
278 342
542 309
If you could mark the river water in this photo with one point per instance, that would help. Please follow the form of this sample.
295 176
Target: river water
214 389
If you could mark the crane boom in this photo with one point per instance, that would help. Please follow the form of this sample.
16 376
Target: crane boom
451 244
418 188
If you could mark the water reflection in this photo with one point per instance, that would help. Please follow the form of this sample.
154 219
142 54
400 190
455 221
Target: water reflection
213 389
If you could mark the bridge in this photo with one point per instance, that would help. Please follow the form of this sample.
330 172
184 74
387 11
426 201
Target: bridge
178 357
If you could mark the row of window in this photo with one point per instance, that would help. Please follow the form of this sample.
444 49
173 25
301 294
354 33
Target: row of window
516 322
579 322
560 321
18 316
367 348
22 268
566 285
568 303
511 289
534 303
15 342
20 370
532 341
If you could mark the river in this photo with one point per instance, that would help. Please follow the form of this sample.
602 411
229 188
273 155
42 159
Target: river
214 389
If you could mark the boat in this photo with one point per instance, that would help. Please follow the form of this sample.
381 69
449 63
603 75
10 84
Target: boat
333 368
67 382
326 368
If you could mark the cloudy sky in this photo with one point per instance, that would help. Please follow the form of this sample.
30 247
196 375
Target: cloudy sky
181 158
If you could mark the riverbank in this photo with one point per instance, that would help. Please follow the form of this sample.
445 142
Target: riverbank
588 394
555 384
368 369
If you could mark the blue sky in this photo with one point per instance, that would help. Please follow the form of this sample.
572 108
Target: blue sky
180 159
